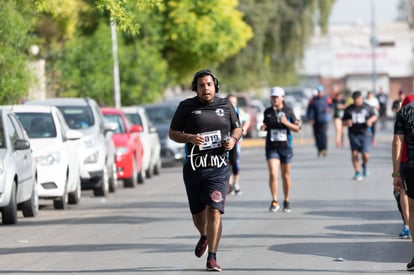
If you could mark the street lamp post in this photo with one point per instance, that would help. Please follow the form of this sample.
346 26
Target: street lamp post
117 86
374 43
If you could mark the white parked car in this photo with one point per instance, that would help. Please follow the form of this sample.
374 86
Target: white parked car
55 149
149 139
18 187
95 160
260 108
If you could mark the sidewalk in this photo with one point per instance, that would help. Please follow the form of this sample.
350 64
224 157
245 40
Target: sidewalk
305 136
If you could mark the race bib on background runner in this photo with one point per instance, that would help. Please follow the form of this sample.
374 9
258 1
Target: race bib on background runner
278 135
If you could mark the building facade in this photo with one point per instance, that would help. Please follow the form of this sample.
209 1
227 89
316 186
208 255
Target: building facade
362 57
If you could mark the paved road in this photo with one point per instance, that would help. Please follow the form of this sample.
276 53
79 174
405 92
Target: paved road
337 225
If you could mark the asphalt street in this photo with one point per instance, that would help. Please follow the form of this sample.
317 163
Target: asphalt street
337 225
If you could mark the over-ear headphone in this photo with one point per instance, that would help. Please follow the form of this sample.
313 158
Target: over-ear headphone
204 73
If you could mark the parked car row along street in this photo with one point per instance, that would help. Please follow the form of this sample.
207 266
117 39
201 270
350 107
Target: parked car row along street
52 149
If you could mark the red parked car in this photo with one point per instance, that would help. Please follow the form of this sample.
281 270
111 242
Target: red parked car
128 147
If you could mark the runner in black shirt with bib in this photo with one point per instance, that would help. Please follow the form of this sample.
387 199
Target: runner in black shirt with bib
210 127
359 118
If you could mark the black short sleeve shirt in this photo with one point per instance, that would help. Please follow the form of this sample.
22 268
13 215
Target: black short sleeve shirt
214 121
359 116
278 135
404 125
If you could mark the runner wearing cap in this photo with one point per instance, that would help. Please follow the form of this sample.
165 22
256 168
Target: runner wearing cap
279 121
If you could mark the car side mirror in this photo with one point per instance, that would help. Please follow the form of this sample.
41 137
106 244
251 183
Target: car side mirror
152 129
21 144
136 128
73 135
110 127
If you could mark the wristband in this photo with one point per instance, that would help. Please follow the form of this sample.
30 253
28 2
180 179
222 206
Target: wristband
396 175
236 139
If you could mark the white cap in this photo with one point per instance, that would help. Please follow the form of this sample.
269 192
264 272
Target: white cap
277 91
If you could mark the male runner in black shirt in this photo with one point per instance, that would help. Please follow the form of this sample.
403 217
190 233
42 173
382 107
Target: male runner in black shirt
403 155
359 117
210 127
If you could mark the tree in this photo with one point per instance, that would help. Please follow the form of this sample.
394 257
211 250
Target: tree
14 49
85 67
155 41
282 30
202 34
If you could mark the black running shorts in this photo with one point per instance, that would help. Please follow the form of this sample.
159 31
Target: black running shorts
206 186
408 178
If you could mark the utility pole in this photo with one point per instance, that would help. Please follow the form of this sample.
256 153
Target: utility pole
374 43
117 86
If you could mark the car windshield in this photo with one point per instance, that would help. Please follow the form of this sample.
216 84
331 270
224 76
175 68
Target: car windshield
162 114
119 122
77 117
241 102
134 118
38 125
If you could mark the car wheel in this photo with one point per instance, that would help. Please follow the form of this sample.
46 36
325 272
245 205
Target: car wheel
75 196
132 181
113 179
103 184
141 176
62 201
157 167
9 213
149 172
30 208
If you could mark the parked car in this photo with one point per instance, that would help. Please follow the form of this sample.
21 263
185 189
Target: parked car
161 114
18 186
244 101
302 96
95 159
128 147
110 162
149 138
260 107
296 106
55 149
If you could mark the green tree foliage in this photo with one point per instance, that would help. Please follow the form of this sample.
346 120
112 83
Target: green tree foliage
85 67
125 12
161 43
282 30
14 46
202 34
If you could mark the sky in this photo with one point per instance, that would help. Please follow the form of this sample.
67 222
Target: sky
359 11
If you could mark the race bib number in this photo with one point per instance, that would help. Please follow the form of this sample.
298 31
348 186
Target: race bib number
212 140
278 135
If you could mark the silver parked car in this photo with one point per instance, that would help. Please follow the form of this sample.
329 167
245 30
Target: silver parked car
161 114
149 138
18 186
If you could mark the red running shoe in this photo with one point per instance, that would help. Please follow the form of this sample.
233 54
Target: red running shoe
201 247
212 265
